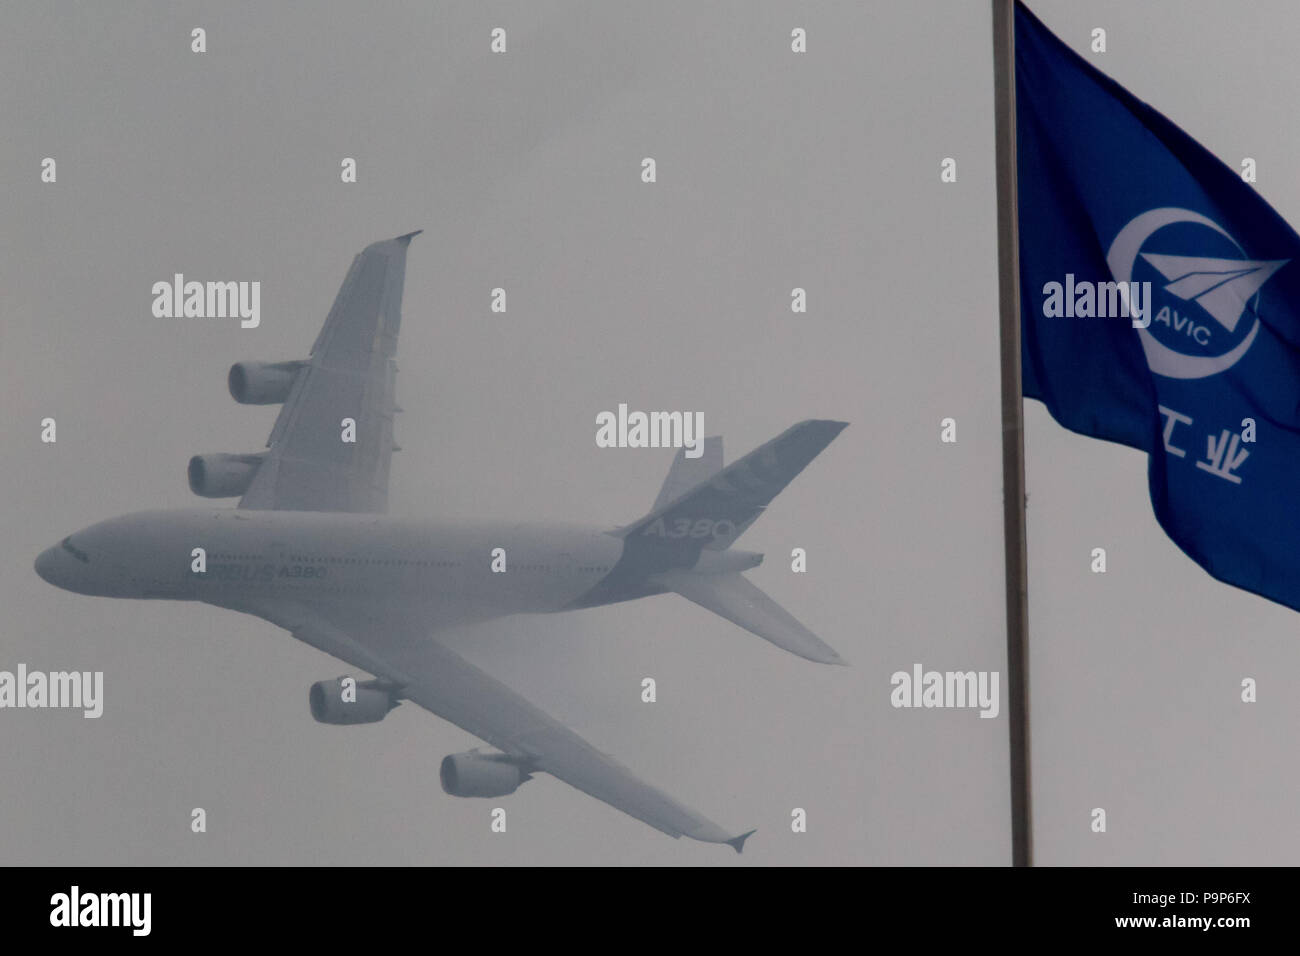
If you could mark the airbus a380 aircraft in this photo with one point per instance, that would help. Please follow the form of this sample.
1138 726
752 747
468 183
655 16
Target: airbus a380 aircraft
309 549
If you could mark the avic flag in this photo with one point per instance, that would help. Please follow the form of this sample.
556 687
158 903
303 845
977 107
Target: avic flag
1160 308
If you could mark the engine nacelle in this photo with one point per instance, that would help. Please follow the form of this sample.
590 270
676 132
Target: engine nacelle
481 775
332 703
222 476
262 383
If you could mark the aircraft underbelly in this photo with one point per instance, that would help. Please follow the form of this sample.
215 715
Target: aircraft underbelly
453 573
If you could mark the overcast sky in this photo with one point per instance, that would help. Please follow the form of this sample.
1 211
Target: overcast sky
775 170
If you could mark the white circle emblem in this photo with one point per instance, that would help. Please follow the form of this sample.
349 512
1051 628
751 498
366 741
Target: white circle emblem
1121 258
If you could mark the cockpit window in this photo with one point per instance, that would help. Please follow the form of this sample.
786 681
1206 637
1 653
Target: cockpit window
73 550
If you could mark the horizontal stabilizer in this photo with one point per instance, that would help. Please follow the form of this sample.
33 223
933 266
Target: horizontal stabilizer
742 602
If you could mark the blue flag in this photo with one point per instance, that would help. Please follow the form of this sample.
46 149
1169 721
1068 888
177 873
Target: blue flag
1160 308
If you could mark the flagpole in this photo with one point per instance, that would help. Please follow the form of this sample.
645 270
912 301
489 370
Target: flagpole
1013 439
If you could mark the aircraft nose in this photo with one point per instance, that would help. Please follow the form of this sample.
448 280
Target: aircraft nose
47 566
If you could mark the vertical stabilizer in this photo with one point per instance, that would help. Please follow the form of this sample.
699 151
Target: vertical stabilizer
686 473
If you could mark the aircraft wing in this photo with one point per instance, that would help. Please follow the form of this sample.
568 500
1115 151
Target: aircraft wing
350 375
444 683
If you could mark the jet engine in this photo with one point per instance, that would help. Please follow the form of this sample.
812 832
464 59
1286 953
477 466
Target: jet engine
222 476
481 775
332 703
262 383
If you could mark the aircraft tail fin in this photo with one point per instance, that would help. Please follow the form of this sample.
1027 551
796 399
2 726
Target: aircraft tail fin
686 473
714 512
741 601
738 843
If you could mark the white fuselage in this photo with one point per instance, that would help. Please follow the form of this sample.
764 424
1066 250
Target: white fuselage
445 568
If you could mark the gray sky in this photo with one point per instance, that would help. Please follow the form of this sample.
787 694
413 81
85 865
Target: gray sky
775 171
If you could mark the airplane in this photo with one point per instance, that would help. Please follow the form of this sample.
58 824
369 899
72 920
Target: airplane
1222 287
310 549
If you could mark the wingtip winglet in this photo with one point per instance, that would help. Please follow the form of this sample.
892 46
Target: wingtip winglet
406 239
738 843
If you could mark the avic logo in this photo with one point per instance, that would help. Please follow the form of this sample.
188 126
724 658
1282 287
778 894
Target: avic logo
1204 286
